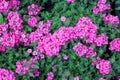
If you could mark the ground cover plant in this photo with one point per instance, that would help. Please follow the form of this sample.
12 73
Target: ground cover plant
59 40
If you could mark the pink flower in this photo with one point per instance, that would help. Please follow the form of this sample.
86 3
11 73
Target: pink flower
4 6
63 18
95 10
32 21
101 6
34 53
115 44
111 19
15 21
14 4
50 76
42 56
71 1
102 1
29 50
76 78
36 72
93 62
6 74
102 79
82 49
101 40
34 9
118 78
104 67
65 57
54 67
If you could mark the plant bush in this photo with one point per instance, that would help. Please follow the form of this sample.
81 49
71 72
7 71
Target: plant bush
59 40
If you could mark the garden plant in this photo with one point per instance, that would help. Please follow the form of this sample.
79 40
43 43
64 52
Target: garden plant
59 39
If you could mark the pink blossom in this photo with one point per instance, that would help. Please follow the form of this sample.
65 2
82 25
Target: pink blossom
4 6
115 44
36 72
95 10
93 62
15 21
65 57
34 53
54 67
6 74
29 50
42 56
63 18
33 9
102 39
82 49
104 67
102 1
50 76
32 21
101 6
71 1
102 79
76 78
14 4
111 19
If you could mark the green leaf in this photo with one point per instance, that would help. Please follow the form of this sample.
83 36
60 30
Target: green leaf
118 8
35 66
31 74
112 60
26 64
1 18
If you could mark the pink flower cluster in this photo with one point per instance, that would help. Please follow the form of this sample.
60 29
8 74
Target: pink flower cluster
6 5
82 49
14 21
36 54
111 19
6 74
101 39
86 29
70 1
24 66
50 76
21 68
6 39
102 65
14 4
101 6
12 38
33 9
115 44
51 43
